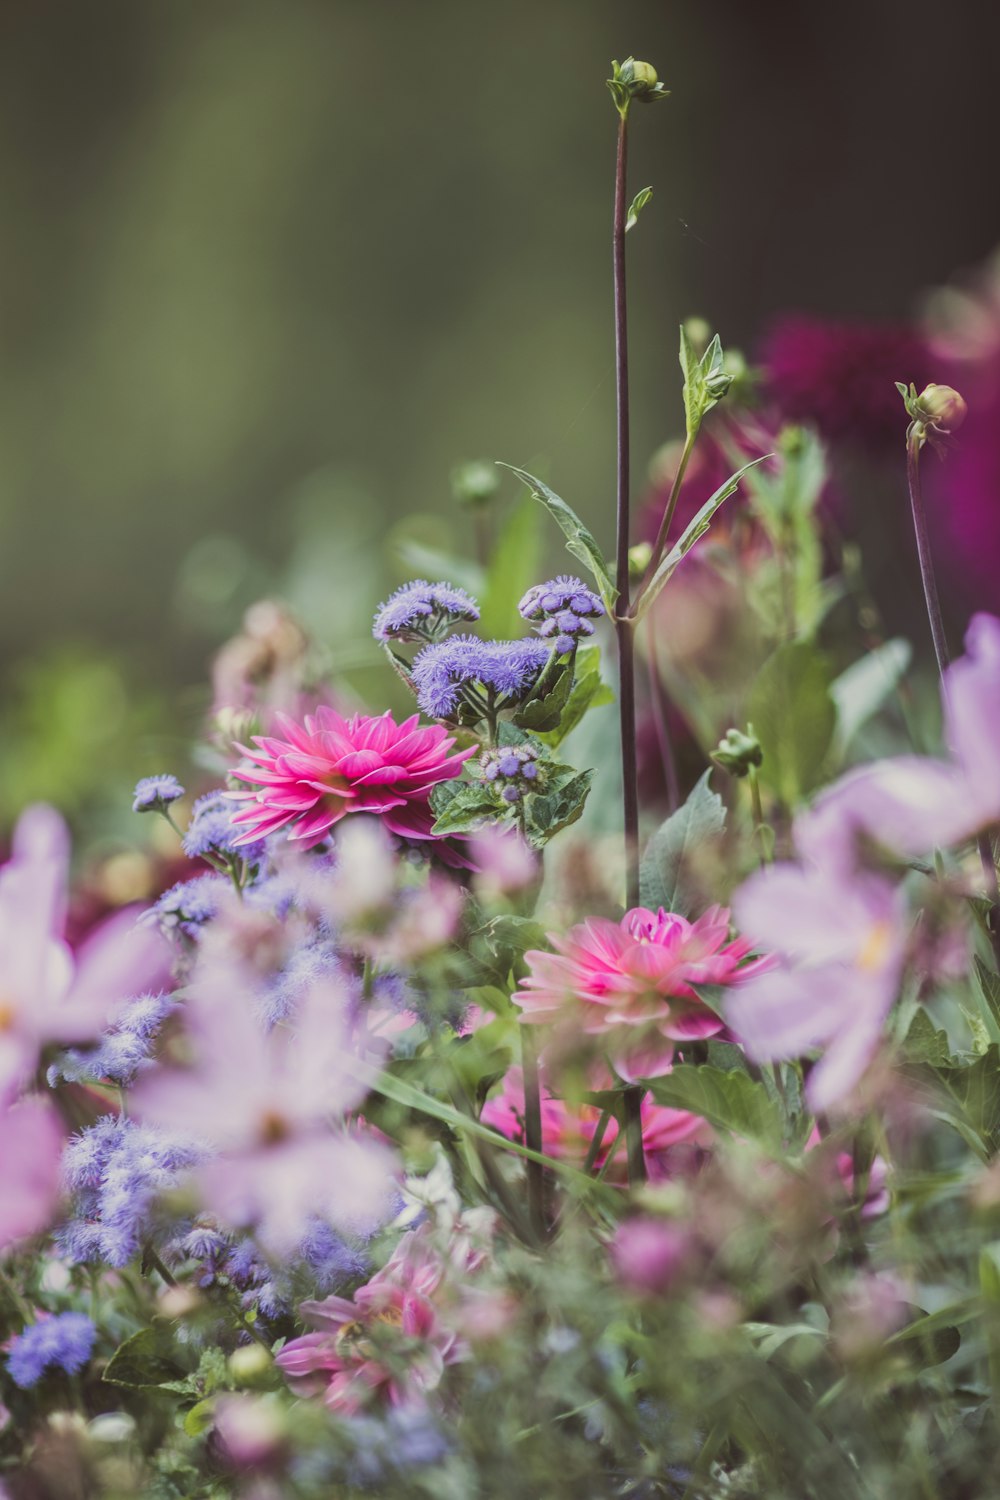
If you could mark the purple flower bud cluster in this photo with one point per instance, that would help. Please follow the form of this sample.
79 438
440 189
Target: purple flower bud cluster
124 1050
154 793
62 1342
453 671
513 770
115 1170
187 906
566 609
422 611
211 830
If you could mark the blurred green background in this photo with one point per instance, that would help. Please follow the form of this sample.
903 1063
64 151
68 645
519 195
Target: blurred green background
271 269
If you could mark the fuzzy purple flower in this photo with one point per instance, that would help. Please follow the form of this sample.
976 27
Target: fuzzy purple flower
565 608
512 771
211 830
187 906
154 793
447 673
124 1050
63 1342
422 611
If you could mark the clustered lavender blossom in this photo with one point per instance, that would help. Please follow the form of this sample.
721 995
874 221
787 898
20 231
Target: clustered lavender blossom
565 608
211 831
466 670
115 1170
513 770
61 1342
155 793
125 1048
422 611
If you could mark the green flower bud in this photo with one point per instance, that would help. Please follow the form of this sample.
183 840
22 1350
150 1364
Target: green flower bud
737 752
638 559
942 407
634 80
475 484
250 1364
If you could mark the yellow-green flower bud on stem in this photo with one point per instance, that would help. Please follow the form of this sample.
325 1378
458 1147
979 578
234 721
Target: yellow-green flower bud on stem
634 80
943 407
737 751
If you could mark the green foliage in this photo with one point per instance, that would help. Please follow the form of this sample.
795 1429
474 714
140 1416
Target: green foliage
668 874
579 540
148 1358
692 533
925 1043
860 691
794 717
588 691
637 205
705 380
729 1099
513 567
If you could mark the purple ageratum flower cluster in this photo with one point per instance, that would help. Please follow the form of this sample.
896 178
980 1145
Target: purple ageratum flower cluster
449 672
513 770
566 609
422 611
125 1048
187 906
62 1342
115 1170
154 793
211 831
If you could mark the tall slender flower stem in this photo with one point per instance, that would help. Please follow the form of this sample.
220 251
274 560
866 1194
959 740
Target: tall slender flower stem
533 1133
984 843
624 624
669 509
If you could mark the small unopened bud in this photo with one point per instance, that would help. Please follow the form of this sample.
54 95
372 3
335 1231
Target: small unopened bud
737 752
475 484
634 80
943 407
717 384
638 559
644 77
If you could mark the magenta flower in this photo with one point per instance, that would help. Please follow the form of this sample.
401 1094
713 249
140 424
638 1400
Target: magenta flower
649 1255
838 938
632 985
30 1149
269 1107
330 766
47 993
568 1129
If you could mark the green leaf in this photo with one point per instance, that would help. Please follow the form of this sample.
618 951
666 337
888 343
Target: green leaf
588 692
561 804
200 1418
667 873
471 805
860 692
730 1101
636 207
976 1087
692 533
440 567
925 1043
705 380
989 985
794 718
538 714
579 541
146 1359
514 566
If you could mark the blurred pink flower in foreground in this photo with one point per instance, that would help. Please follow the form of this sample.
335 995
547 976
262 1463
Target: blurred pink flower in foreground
839 938
330 766
30 1150
270 1107
397 1334
649 1254
48 994
631 985
568 1129
913 803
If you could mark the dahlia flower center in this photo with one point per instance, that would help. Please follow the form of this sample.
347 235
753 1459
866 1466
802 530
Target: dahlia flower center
274 1128
8 1014
875 948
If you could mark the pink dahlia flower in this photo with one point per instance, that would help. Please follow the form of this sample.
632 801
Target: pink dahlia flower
632 985
330 766
568 1129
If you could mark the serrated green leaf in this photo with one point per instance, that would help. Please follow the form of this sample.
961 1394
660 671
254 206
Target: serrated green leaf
200 1418
976 1088
860 691
540 714
146 1359
580 542
514 566
471 806
925 1043
561 804
731 1101
692 533
589 691
667 874
636 207
989 988
794 718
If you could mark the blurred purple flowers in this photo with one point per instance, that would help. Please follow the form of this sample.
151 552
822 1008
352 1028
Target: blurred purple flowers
62 1342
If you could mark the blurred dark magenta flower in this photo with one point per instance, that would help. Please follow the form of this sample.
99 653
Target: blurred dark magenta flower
839 377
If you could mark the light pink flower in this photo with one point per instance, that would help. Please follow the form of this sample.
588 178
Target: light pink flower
631 985
915 803
30 1150
329 766
649 1254
837 938
48 994
270 1106
568 1129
